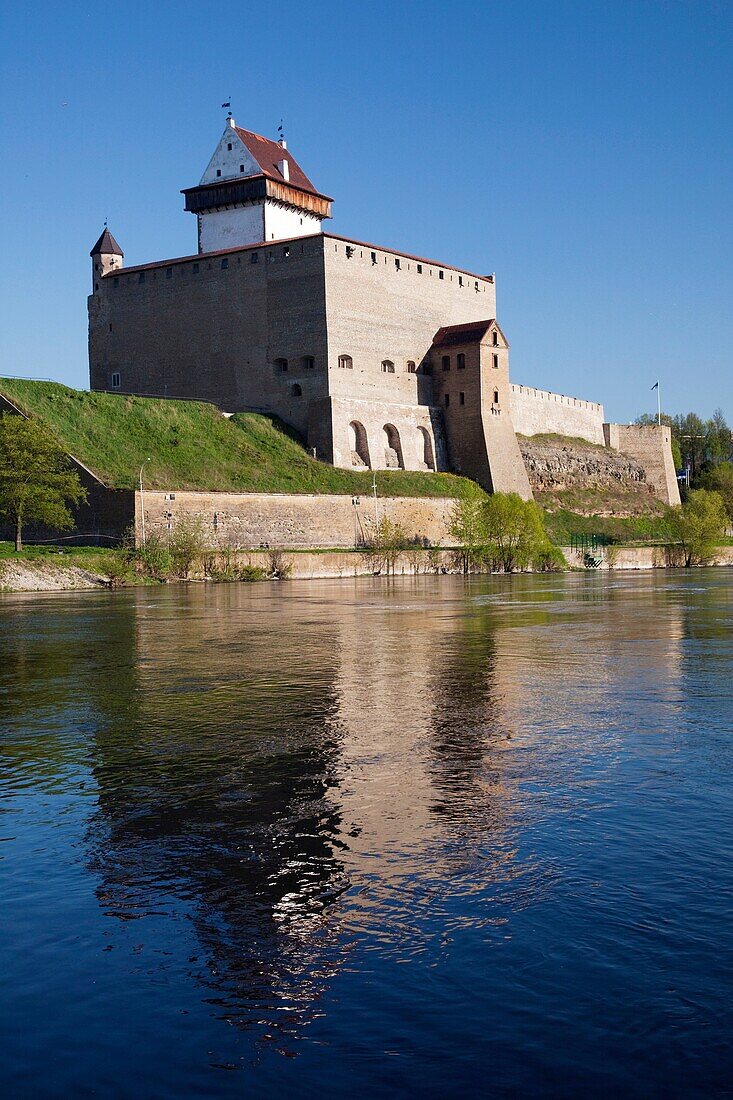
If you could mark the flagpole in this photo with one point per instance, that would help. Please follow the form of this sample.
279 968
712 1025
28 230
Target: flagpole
659 408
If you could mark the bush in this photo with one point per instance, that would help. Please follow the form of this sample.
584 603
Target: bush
549 559
186 543
154 559
279 569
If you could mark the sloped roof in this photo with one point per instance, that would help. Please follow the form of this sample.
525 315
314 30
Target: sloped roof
471 333
107 244
269 153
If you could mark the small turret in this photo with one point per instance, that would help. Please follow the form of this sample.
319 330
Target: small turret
106 256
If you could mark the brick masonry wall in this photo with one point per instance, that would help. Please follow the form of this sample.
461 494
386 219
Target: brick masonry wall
536 411
252 520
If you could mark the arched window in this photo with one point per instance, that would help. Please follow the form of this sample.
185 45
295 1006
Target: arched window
445 362
281 364
308 362
295 390
496 397
425 444
388 366
495 359
346 362
359 444
461 361
392 448
411 366
496 338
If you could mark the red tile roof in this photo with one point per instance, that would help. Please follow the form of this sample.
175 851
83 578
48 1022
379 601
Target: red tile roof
470 333
268 155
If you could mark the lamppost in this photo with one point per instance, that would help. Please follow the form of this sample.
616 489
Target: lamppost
142 503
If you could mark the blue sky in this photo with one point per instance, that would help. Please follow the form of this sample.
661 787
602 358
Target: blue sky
580 150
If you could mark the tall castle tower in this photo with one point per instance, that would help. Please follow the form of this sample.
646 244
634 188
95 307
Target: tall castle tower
253 191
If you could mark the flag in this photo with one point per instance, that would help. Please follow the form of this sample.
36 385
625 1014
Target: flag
655 386
227 104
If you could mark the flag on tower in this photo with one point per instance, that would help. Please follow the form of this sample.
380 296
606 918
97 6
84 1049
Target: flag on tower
655 386
227 104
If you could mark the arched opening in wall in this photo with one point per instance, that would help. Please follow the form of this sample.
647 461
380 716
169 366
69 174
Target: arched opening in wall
392 448
426 445
296 390
346 362
387 366
359 444
411 366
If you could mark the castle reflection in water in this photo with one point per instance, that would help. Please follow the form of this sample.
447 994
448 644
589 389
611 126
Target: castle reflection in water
294 769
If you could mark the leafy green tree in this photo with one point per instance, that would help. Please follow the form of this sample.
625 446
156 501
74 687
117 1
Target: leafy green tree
37 481
719 479
691 433
698 526
467 526
515 531
717 441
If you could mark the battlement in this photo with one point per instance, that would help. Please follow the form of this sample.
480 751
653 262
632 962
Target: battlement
538 412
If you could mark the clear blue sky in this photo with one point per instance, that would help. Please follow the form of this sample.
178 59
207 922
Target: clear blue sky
579 149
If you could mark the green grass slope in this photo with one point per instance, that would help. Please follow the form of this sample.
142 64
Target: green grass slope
190 445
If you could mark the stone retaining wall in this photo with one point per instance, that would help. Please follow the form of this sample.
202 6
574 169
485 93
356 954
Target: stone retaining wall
289 521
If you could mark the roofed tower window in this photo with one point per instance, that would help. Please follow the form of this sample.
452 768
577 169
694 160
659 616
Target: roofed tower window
387 366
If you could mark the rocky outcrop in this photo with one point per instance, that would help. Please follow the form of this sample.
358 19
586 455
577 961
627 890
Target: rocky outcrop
585 477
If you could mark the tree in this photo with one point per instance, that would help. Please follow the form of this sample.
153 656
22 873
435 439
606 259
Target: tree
717 439
720 480
467 526
37 481
515 531
698 525
386 544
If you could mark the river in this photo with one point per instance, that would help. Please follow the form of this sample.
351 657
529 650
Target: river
425 837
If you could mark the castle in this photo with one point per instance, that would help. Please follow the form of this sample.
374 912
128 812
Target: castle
377 358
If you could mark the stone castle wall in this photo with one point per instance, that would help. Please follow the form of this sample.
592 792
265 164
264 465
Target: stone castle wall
651 446
535 412
217 327
253 520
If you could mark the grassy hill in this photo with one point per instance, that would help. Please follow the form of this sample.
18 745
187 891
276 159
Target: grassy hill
190 445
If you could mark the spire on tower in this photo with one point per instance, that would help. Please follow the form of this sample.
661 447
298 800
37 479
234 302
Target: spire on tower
106 245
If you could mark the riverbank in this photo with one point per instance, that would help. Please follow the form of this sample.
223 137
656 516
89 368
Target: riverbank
48 569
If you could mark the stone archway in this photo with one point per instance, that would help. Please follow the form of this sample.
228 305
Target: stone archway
359 444
426 448
393 459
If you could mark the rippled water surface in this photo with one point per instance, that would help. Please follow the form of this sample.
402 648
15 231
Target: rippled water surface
432 837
